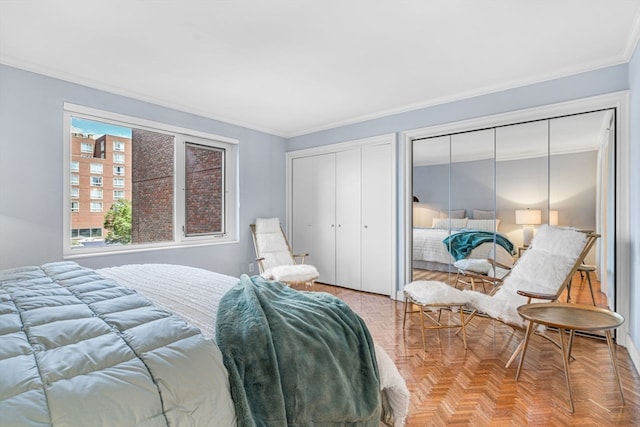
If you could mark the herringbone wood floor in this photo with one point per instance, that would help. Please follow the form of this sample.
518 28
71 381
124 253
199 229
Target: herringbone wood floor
451 386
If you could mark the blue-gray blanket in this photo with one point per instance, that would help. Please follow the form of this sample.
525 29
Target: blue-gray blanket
296 358
462 243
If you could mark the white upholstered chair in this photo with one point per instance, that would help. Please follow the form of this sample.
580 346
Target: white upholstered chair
274 257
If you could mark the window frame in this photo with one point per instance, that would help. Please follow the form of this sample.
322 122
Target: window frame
182 135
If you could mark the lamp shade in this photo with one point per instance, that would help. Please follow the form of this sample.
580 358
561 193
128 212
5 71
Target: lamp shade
553 217
528 216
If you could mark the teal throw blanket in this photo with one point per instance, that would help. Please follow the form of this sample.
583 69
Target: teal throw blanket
462 243
296 358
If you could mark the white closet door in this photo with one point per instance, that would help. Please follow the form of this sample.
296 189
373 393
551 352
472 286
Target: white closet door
323 194
302 207
348 218
376 219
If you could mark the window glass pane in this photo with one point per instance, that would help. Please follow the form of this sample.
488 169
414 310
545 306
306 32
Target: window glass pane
204 184
96 168
75 166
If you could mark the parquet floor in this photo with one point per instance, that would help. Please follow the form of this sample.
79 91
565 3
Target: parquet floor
451 386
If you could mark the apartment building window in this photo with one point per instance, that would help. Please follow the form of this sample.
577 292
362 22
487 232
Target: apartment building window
86 147
75 206
174 186
75 166
75 192
118 158
96 168
75 179
96 193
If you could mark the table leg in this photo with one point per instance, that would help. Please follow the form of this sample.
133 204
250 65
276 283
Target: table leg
565 360
613 360
522 348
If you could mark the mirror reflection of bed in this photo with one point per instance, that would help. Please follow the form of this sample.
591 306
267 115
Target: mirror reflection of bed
558 169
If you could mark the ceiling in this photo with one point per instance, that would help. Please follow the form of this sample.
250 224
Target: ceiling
290 67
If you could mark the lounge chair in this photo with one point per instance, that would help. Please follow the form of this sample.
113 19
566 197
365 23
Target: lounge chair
275 258
541 275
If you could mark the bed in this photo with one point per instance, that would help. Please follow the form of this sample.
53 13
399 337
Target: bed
431 249
157 345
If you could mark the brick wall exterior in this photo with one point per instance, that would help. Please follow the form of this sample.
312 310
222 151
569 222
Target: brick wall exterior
152 185
204 192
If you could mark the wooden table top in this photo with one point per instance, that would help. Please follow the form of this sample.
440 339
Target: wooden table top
571 316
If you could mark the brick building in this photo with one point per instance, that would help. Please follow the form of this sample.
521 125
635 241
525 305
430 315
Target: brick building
100 174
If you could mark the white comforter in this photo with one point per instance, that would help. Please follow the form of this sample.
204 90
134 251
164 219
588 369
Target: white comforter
195 293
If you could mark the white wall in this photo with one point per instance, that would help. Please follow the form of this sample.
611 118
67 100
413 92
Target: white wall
31 201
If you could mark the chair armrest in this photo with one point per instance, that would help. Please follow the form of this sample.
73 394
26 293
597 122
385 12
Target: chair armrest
537 295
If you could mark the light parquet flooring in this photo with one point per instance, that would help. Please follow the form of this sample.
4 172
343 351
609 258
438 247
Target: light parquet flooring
451 386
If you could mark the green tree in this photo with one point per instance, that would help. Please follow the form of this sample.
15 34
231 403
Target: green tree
118 221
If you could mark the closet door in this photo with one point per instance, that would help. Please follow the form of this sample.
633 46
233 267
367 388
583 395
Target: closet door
348 218
323 235
376 217
302 208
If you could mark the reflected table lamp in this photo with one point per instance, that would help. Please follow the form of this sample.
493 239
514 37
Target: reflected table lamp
528 218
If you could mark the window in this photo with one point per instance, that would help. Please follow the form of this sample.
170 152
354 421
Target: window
75 166
75 179
75 206
75 192
96 193
86 147
118 158
181 184
96 167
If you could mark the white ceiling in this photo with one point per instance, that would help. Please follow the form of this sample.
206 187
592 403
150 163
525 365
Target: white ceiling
290 67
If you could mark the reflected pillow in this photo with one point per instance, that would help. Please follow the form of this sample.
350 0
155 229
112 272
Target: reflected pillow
480 214
483 224
457 214
447 223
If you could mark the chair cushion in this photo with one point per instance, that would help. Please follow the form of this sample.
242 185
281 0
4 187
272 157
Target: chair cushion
268 225
481 266
426 292
297 273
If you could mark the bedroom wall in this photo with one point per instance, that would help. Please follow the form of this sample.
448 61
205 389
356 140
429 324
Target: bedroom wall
591 83
31 203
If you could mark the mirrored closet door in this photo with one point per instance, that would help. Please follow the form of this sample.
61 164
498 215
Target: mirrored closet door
500 184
